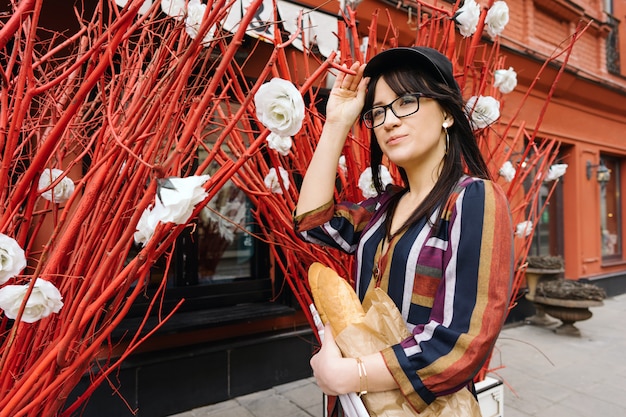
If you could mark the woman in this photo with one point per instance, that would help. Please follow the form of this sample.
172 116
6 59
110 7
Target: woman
440 245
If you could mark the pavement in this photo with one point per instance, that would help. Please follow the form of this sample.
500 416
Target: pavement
545 374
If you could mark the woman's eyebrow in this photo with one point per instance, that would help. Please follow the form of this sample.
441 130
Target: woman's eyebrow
380 103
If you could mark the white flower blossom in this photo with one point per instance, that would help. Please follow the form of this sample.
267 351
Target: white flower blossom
12 259
61 192
366 181
280 107
556 171
484 110
44 300
342 165
507 171
281 144
142 10
467 18
524 228
497 18
145 227
193 21
174 8
273 183
505 80
174 205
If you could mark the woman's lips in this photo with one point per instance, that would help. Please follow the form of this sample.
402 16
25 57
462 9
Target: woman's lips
394 139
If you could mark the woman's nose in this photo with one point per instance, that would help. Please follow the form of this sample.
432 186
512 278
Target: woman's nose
390 118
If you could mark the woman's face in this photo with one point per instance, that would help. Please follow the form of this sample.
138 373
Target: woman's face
417 140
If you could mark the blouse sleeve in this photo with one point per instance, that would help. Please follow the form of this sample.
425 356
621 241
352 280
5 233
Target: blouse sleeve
470 303
336 225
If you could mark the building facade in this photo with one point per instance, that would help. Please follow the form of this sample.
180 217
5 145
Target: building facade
240 332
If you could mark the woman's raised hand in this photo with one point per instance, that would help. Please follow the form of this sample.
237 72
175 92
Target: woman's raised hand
347 96
342 110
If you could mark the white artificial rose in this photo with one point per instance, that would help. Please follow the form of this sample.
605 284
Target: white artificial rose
12 259
142 10
342 165
174 8
61 192
280 107
507 171
505 80
145 227
176 205
175 202
280 144
44 300
193 21
467 17
556 171
385 176
484 110
497 18
273 183
366 181
524 228
366 184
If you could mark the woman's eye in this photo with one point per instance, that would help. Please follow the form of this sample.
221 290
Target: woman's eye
408 100
377 112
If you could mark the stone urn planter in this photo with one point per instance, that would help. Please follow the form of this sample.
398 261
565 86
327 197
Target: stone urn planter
538 269
568 301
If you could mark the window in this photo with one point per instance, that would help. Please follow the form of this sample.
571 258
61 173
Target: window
613 46
217 261
610 211
225 243
548 237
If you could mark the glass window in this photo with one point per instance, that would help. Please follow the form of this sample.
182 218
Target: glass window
219 248
218 260
610 211
548 237
225 242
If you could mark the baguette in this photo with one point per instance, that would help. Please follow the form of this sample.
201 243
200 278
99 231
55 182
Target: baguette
334 298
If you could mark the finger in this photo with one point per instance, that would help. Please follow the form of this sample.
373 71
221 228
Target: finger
351 82
328 333
363 81
330 347
339 78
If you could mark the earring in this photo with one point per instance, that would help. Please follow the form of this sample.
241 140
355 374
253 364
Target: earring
445 127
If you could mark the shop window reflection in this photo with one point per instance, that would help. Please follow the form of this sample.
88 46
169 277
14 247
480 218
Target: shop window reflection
225 243
610 211
548 237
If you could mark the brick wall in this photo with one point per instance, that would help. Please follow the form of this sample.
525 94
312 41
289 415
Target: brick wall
540 26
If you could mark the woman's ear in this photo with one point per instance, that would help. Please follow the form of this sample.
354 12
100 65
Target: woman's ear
447 121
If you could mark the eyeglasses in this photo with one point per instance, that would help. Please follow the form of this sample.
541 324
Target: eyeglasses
403 106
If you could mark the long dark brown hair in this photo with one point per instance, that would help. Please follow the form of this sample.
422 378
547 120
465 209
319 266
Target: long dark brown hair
463 155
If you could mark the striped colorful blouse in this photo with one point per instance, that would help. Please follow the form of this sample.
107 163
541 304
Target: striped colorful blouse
451 283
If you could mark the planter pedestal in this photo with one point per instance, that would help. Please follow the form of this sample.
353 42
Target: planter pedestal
568 311
533 276
490 392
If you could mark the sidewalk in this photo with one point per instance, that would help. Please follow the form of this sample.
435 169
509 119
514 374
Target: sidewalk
546 375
